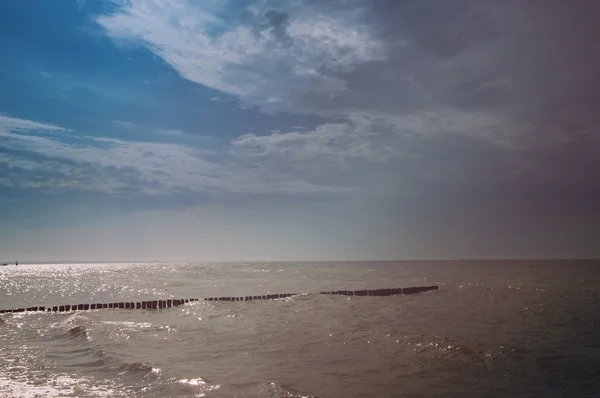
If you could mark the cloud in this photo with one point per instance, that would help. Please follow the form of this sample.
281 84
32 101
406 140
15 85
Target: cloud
174 133
480 65
444 106
127 125
98 164
334 143
221 100
393 79
270 58
14 124
35 160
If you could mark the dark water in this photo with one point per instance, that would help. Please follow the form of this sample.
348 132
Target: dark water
494 329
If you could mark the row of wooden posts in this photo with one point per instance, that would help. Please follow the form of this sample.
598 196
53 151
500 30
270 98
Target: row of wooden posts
168 303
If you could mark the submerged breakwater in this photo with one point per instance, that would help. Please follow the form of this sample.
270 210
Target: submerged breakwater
168 303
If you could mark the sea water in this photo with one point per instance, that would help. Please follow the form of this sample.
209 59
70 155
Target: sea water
494 329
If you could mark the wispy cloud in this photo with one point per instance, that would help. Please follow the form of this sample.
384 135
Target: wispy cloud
127 125
112 165
107 164
333 143
15 124
160 132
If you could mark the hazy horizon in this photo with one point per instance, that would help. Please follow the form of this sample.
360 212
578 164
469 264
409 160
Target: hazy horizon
257 261
264 130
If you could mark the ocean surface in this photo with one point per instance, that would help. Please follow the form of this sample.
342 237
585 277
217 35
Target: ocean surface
494 329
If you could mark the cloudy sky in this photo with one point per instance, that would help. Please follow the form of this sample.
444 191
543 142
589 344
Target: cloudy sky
300 129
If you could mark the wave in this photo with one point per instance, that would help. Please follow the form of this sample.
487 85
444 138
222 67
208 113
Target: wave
265 390
138 368
75 349
78 332
62 386
273 390
201 387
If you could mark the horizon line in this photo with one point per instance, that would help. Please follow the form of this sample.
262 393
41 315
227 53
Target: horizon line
302 261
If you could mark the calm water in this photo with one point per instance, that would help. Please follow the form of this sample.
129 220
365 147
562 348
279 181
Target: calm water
494 329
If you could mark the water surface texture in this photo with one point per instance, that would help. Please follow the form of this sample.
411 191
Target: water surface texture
494 329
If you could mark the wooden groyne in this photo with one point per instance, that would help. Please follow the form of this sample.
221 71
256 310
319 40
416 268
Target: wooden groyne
168 303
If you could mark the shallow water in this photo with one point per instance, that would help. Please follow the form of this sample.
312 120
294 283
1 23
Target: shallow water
494 329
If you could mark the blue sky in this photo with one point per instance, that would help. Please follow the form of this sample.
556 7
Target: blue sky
263 130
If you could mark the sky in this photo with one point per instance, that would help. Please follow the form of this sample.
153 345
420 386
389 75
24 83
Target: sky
262 130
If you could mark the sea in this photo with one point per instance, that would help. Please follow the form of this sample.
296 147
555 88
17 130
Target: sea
493 329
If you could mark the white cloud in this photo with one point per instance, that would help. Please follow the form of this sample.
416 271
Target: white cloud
113 165
331 143
259 67
326 61
275 68
127 125
164 132
9 123
308 58
161 167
